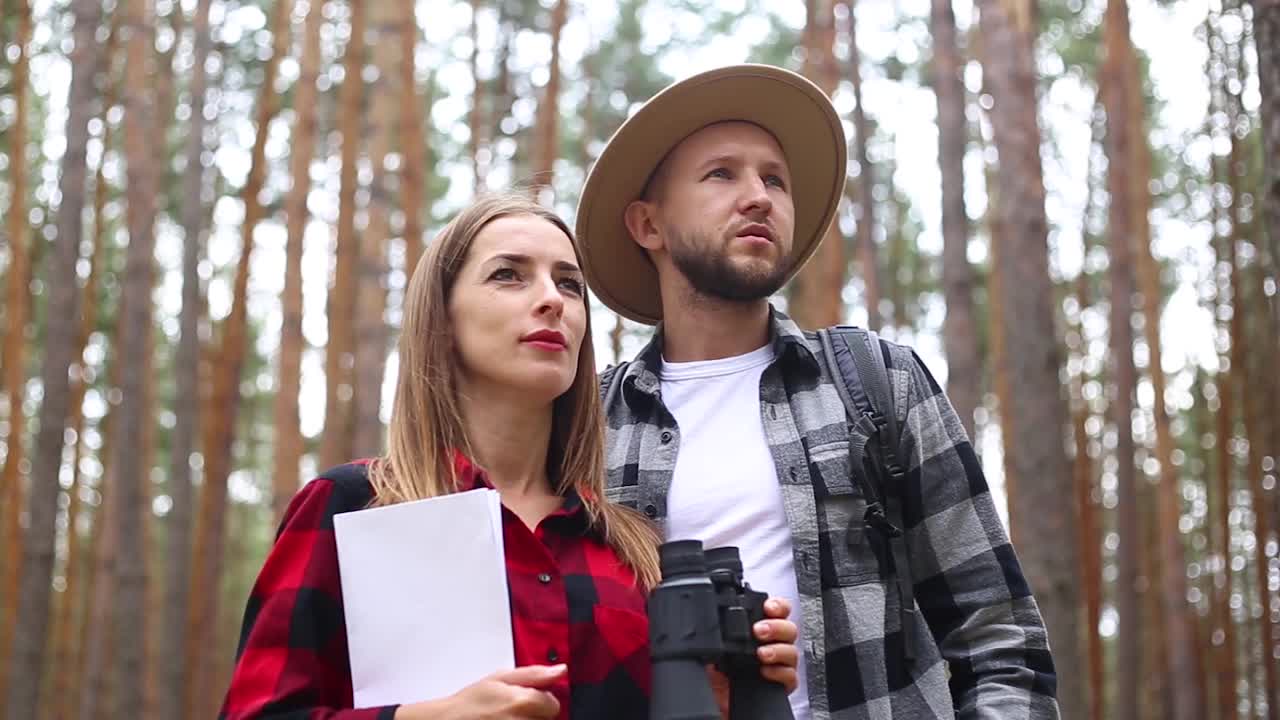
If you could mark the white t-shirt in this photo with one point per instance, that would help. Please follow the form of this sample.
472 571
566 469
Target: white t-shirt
725 488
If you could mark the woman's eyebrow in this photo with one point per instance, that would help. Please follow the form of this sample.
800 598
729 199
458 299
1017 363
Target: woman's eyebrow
522 259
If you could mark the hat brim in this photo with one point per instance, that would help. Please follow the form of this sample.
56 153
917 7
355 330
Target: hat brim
790 107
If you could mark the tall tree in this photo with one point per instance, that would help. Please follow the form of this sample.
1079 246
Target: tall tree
959 330
371 295
31 639
1121 186
187 373
865 216
129 457
336 441
547 148
1038 412
1266 35
225 400
13 356
288 434
1184 682
815 295
412 141
476 115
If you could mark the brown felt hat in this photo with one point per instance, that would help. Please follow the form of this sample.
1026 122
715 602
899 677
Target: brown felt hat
790 107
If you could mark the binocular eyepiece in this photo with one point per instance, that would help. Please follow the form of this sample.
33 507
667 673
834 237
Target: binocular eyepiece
702 612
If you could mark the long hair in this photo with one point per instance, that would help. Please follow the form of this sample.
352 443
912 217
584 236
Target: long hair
426 425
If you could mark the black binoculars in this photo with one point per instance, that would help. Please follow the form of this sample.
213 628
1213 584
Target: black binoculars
702 612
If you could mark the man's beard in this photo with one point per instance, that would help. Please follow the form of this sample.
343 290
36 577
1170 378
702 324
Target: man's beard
711 274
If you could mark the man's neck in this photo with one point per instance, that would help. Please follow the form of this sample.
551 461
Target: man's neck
713 329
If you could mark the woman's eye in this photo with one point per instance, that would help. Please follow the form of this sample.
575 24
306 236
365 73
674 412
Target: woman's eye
504 274
718 173
573 285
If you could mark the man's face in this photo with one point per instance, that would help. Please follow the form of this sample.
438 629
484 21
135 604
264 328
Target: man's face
724 211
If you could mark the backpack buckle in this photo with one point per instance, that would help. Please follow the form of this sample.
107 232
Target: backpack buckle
875 518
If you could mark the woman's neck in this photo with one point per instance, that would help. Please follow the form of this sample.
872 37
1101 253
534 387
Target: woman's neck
509 440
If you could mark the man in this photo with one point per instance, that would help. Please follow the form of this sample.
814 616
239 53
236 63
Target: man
726 428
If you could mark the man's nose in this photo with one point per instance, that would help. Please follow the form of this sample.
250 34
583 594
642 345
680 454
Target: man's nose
755 197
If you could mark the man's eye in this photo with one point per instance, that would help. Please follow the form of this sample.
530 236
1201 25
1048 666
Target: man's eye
718 173
776 181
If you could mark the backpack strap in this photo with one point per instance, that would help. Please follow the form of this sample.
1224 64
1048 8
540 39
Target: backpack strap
611 382
856 365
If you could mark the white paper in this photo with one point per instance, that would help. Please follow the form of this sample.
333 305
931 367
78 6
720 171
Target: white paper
424 586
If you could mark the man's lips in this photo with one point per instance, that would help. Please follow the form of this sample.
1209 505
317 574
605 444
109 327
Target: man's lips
756 230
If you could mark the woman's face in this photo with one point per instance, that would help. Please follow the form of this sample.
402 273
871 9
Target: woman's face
518 309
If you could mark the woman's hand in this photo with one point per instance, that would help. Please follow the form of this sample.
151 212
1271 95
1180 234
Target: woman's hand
777 653
518 694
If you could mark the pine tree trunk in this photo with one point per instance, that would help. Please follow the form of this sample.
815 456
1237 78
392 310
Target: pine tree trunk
548 121
371 296
288 445
13 355
31 639
960 330
129 458
225 402
816 290
1120 185
1266 33
413 142
173 652
336 444
476 115
1038 412
864 240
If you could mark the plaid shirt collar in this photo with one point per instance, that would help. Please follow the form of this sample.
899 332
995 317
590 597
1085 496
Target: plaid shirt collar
571 517
640 382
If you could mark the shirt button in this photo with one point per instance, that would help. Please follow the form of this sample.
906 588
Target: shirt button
665 437
544 578
650 511
553 656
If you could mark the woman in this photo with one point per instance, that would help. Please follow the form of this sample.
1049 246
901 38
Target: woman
496 372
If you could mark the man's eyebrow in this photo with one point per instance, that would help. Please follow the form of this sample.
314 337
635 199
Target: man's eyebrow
778 166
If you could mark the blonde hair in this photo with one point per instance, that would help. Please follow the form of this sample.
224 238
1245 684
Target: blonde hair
426 425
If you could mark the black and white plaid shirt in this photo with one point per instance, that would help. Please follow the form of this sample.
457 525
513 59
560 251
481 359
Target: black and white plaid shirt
982 651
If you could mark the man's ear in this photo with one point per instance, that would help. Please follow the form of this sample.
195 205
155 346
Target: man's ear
640 220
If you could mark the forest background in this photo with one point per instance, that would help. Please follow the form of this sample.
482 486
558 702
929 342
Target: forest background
1070 207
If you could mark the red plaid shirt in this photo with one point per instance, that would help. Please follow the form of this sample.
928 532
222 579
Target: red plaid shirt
572 601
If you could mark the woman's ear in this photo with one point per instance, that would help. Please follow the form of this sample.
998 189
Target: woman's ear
641 223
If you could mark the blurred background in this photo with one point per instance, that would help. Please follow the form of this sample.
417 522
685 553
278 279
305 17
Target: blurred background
1070 207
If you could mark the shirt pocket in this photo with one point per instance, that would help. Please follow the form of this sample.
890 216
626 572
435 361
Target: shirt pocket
623 639
849 555
625 495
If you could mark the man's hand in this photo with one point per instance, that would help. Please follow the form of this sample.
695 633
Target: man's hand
518 694
777 653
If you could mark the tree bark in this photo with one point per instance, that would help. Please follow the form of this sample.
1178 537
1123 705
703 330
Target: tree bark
1266 34
187 395
371 297
31 639
960 330
413 141
476 115
288 445
1120 225
548 121
129 456
816 299
865 238
225 402
13 356
1038 412
336 441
